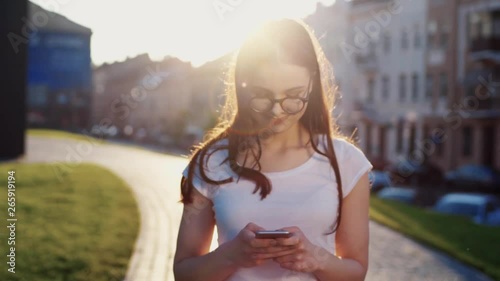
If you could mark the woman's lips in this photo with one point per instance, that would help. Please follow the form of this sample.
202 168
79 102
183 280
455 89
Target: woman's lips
278 121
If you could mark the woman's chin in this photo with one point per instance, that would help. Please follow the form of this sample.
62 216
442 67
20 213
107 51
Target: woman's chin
278 128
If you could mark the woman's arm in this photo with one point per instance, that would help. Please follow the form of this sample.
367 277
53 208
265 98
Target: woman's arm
352 238
351 259
192 259
212 266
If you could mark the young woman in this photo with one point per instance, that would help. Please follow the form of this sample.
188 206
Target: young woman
276 137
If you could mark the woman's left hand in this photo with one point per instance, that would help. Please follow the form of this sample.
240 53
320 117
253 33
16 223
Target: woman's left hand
307 257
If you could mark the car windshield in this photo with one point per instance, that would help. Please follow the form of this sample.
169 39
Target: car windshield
458 208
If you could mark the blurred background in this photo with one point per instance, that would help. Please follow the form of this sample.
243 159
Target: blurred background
419 79
419 89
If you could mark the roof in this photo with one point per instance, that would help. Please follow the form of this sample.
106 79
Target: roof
56 22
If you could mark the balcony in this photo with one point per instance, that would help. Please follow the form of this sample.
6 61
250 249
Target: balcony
482 90
489 104
367 62
485 44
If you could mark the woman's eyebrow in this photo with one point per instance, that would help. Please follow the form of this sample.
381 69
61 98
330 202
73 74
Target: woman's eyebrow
287 90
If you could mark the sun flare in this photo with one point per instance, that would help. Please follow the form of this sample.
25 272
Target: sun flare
192 30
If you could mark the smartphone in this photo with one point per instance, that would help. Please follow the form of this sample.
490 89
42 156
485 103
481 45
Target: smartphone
267 234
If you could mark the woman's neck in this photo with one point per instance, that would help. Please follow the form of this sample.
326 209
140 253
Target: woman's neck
294 137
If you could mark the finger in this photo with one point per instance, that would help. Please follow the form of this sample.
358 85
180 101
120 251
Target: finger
292 229
293 240
288 265
273 249
293 257
247 235
253 227
273 255
262 243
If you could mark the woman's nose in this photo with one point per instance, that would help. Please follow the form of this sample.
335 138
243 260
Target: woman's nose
277 110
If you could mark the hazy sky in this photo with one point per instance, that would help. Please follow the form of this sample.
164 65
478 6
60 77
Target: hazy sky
193 30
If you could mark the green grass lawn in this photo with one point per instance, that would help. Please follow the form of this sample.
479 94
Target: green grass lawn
82 227
478 246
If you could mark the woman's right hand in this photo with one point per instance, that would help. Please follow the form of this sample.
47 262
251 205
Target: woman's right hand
241 249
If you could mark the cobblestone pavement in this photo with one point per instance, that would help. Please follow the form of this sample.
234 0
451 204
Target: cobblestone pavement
154 179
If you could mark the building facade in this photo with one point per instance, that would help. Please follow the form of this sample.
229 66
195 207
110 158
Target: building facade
417 78
59 72
478 78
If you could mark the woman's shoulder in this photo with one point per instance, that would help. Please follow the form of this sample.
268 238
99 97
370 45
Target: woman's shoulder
215 154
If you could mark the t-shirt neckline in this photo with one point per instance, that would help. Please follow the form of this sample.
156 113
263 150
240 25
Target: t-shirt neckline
295 169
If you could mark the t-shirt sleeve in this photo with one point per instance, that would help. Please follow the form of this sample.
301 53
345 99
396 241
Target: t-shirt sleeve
352 165
212 169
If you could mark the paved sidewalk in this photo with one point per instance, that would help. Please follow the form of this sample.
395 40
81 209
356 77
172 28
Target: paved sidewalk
154 179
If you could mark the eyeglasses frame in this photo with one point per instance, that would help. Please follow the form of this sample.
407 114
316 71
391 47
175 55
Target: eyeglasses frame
280 101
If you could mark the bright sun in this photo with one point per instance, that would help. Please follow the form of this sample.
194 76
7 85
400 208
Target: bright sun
192 30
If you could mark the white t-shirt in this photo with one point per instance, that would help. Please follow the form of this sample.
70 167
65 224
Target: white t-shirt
304 196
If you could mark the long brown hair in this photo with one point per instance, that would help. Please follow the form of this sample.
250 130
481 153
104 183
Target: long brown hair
276 41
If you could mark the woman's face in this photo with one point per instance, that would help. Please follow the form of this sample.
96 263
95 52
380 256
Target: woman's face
278 81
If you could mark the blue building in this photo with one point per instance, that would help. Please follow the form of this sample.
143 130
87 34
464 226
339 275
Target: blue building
59 71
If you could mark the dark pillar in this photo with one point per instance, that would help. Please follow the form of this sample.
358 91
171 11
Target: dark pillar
13 67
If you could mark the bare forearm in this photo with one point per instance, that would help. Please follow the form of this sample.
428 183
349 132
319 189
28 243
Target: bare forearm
211 267
335 268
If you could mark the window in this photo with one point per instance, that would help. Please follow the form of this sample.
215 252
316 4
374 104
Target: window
437 137
368 139
427 137
417 41
444 36
402 87
429 87
439 149
404 40
443 87
467 141
430 40
414 87
385 88
473 26
37 96
411 138
372 48
482 25
444 40
431 32
371 89
491 207
496 24
399 138
387 42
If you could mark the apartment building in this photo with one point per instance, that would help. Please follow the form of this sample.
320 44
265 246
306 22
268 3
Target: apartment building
440 82
143 98
418 78
477 137
389 77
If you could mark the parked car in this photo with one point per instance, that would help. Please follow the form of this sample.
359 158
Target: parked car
104 132
481 208
476 176
401 194
379 180
408 172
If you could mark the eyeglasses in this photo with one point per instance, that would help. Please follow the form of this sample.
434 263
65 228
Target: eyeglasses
291 105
